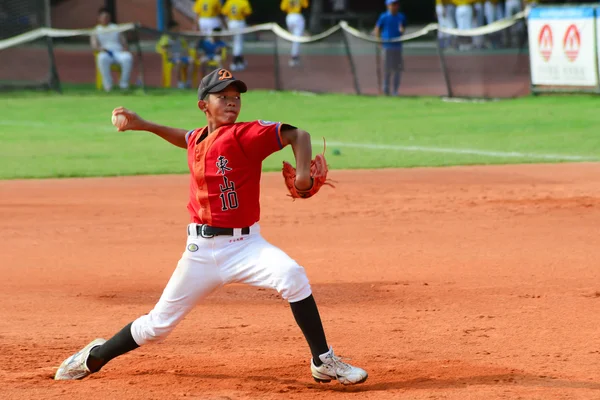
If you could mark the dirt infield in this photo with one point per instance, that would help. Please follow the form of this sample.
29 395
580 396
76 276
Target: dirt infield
454 283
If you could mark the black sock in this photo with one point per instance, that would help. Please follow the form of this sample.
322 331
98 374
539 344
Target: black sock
119 344
308 319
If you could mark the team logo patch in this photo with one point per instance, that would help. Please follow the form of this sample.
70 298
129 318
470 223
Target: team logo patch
192 247
266 123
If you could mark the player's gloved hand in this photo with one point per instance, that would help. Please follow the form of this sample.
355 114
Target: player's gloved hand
128 120
318 175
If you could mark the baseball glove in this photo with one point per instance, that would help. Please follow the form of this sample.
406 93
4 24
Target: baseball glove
318 173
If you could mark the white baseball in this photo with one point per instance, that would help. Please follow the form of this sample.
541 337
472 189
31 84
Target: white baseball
119 120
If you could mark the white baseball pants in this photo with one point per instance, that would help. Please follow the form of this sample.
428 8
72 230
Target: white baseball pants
464 17
208 264
295 24
479 21
512 7
238 40
207 25
451 15
105 60
442 18
491 12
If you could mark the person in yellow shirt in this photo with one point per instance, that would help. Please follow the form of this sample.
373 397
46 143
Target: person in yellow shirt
178 54
209 15
236 12
295 23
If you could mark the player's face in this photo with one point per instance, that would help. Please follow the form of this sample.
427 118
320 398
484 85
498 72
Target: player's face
104 18
394 7
223 107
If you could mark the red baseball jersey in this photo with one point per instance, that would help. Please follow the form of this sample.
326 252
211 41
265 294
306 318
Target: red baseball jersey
225 169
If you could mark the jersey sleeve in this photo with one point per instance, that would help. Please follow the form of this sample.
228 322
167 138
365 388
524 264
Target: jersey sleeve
284 5
304 3
247 9
198 6
259 139
380 21
225 9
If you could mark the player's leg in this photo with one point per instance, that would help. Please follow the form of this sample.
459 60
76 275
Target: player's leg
388 65
441 17
194 278
238 45
479 22
398 66
104 63
125 60
489 10
256 262
205 26
451 22
464 16
295 23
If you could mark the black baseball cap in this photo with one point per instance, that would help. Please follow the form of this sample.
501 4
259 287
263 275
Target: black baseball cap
218 80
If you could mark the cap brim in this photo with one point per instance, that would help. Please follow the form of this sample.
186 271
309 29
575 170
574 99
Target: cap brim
241 86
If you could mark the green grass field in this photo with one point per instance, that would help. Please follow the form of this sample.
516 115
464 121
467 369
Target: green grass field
50 135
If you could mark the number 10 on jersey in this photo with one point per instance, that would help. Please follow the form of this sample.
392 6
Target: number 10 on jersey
229 199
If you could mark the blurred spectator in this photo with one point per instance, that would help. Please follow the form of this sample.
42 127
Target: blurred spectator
112 49
236 12
211 48
178 54
295 23
445 16
391 25
464 20
209 15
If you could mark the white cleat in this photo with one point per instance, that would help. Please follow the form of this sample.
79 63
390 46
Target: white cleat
75 367
334 368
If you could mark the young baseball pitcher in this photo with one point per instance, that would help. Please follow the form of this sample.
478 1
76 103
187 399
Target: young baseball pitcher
224 243
236 12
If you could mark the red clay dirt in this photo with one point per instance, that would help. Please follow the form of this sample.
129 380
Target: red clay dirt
453 283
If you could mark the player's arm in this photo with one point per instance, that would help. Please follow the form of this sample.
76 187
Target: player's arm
175 136
95 43
377 29
300 142
123 42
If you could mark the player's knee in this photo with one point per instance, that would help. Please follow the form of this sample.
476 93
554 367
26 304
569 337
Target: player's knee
104 59
147 329
294 284
125 59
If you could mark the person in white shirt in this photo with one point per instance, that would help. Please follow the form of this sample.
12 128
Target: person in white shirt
112 49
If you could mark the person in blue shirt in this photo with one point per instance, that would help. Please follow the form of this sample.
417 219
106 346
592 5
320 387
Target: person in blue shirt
211 47
391 25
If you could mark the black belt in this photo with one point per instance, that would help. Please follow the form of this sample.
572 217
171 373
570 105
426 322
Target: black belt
207 231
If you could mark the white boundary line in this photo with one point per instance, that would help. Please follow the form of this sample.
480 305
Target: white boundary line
449 150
